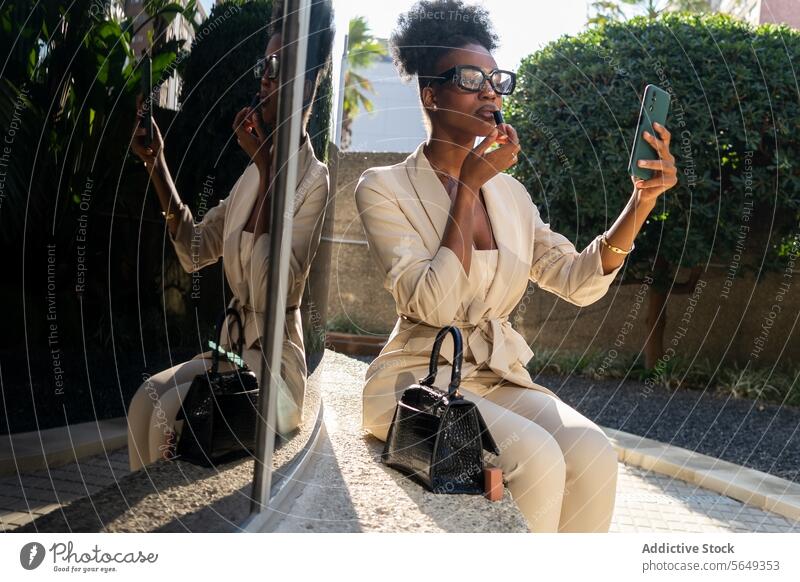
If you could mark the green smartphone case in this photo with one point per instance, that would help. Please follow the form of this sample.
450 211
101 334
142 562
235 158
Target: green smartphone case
655 105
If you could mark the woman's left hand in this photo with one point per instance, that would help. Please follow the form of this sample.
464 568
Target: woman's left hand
256 145
665 174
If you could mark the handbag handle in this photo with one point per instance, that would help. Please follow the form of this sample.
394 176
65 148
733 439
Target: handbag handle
238 346
455 376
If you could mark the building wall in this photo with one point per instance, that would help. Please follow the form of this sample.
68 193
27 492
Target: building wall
717 328
745 9
780 11
761 11
395 124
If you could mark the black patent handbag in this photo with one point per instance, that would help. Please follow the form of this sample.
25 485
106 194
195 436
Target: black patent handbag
220 409
437 436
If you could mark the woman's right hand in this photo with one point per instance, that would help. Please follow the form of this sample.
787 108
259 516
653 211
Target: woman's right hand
150 153
479 166
256 145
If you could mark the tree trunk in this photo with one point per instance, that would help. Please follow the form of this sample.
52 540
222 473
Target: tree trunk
656 322
347 132
656 319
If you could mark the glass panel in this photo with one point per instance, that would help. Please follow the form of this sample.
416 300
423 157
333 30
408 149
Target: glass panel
312 218
147 253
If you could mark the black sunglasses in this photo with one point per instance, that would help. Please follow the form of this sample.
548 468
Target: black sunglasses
471 78
270 65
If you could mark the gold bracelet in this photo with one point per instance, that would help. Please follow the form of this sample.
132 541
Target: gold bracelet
614 249
171 214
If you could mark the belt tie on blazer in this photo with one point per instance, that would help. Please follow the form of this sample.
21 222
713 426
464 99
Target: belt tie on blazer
248 307
496 342
253 320
491 340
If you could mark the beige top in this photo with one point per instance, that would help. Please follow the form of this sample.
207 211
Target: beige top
246 251
483 271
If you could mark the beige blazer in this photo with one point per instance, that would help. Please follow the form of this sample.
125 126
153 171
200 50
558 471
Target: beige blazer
219 235
404 209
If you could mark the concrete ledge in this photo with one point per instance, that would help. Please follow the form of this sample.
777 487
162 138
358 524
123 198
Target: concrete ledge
348 489
354 344
747 485
37 450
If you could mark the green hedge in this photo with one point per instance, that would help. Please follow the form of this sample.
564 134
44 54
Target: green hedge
217 83
734 111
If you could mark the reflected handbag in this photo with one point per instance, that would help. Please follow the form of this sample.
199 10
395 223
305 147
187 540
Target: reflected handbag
220 409
436 436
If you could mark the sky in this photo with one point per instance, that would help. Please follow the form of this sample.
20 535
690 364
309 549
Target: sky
524 26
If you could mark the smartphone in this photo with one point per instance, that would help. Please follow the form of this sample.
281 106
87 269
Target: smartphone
655 105
147 106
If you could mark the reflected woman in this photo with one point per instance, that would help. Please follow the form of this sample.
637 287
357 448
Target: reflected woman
236 230
458 241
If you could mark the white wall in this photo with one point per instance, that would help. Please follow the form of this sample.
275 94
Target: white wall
395 124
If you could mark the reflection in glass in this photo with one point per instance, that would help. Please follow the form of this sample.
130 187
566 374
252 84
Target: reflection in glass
236 229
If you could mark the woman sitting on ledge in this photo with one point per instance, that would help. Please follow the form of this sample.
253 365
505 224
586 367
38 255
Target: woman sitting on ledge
235 230
459 240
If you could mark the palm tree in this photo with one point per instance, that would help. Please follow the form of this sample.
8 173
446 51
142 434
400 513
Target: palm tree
363 49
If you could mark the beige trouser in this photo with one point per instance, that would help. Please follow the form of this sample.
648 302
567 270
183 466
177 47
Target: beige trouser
560 467
155 405
152 411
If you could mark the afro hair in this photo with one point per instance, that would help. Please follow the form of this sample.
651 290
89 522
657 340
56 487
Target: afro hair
431 28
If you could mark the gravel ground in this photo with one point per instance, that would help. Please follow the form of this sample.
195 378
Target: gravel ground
761 436
176 496
170 497
758 435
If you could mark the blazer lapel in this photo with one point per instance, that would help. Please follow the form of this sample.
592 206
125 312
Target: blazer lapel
498 198
239 208
430 194
244 194
506 225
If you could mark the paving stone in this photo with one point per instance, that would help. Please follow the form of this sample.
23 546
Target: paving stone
8 501
707 512
36 496
45 509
